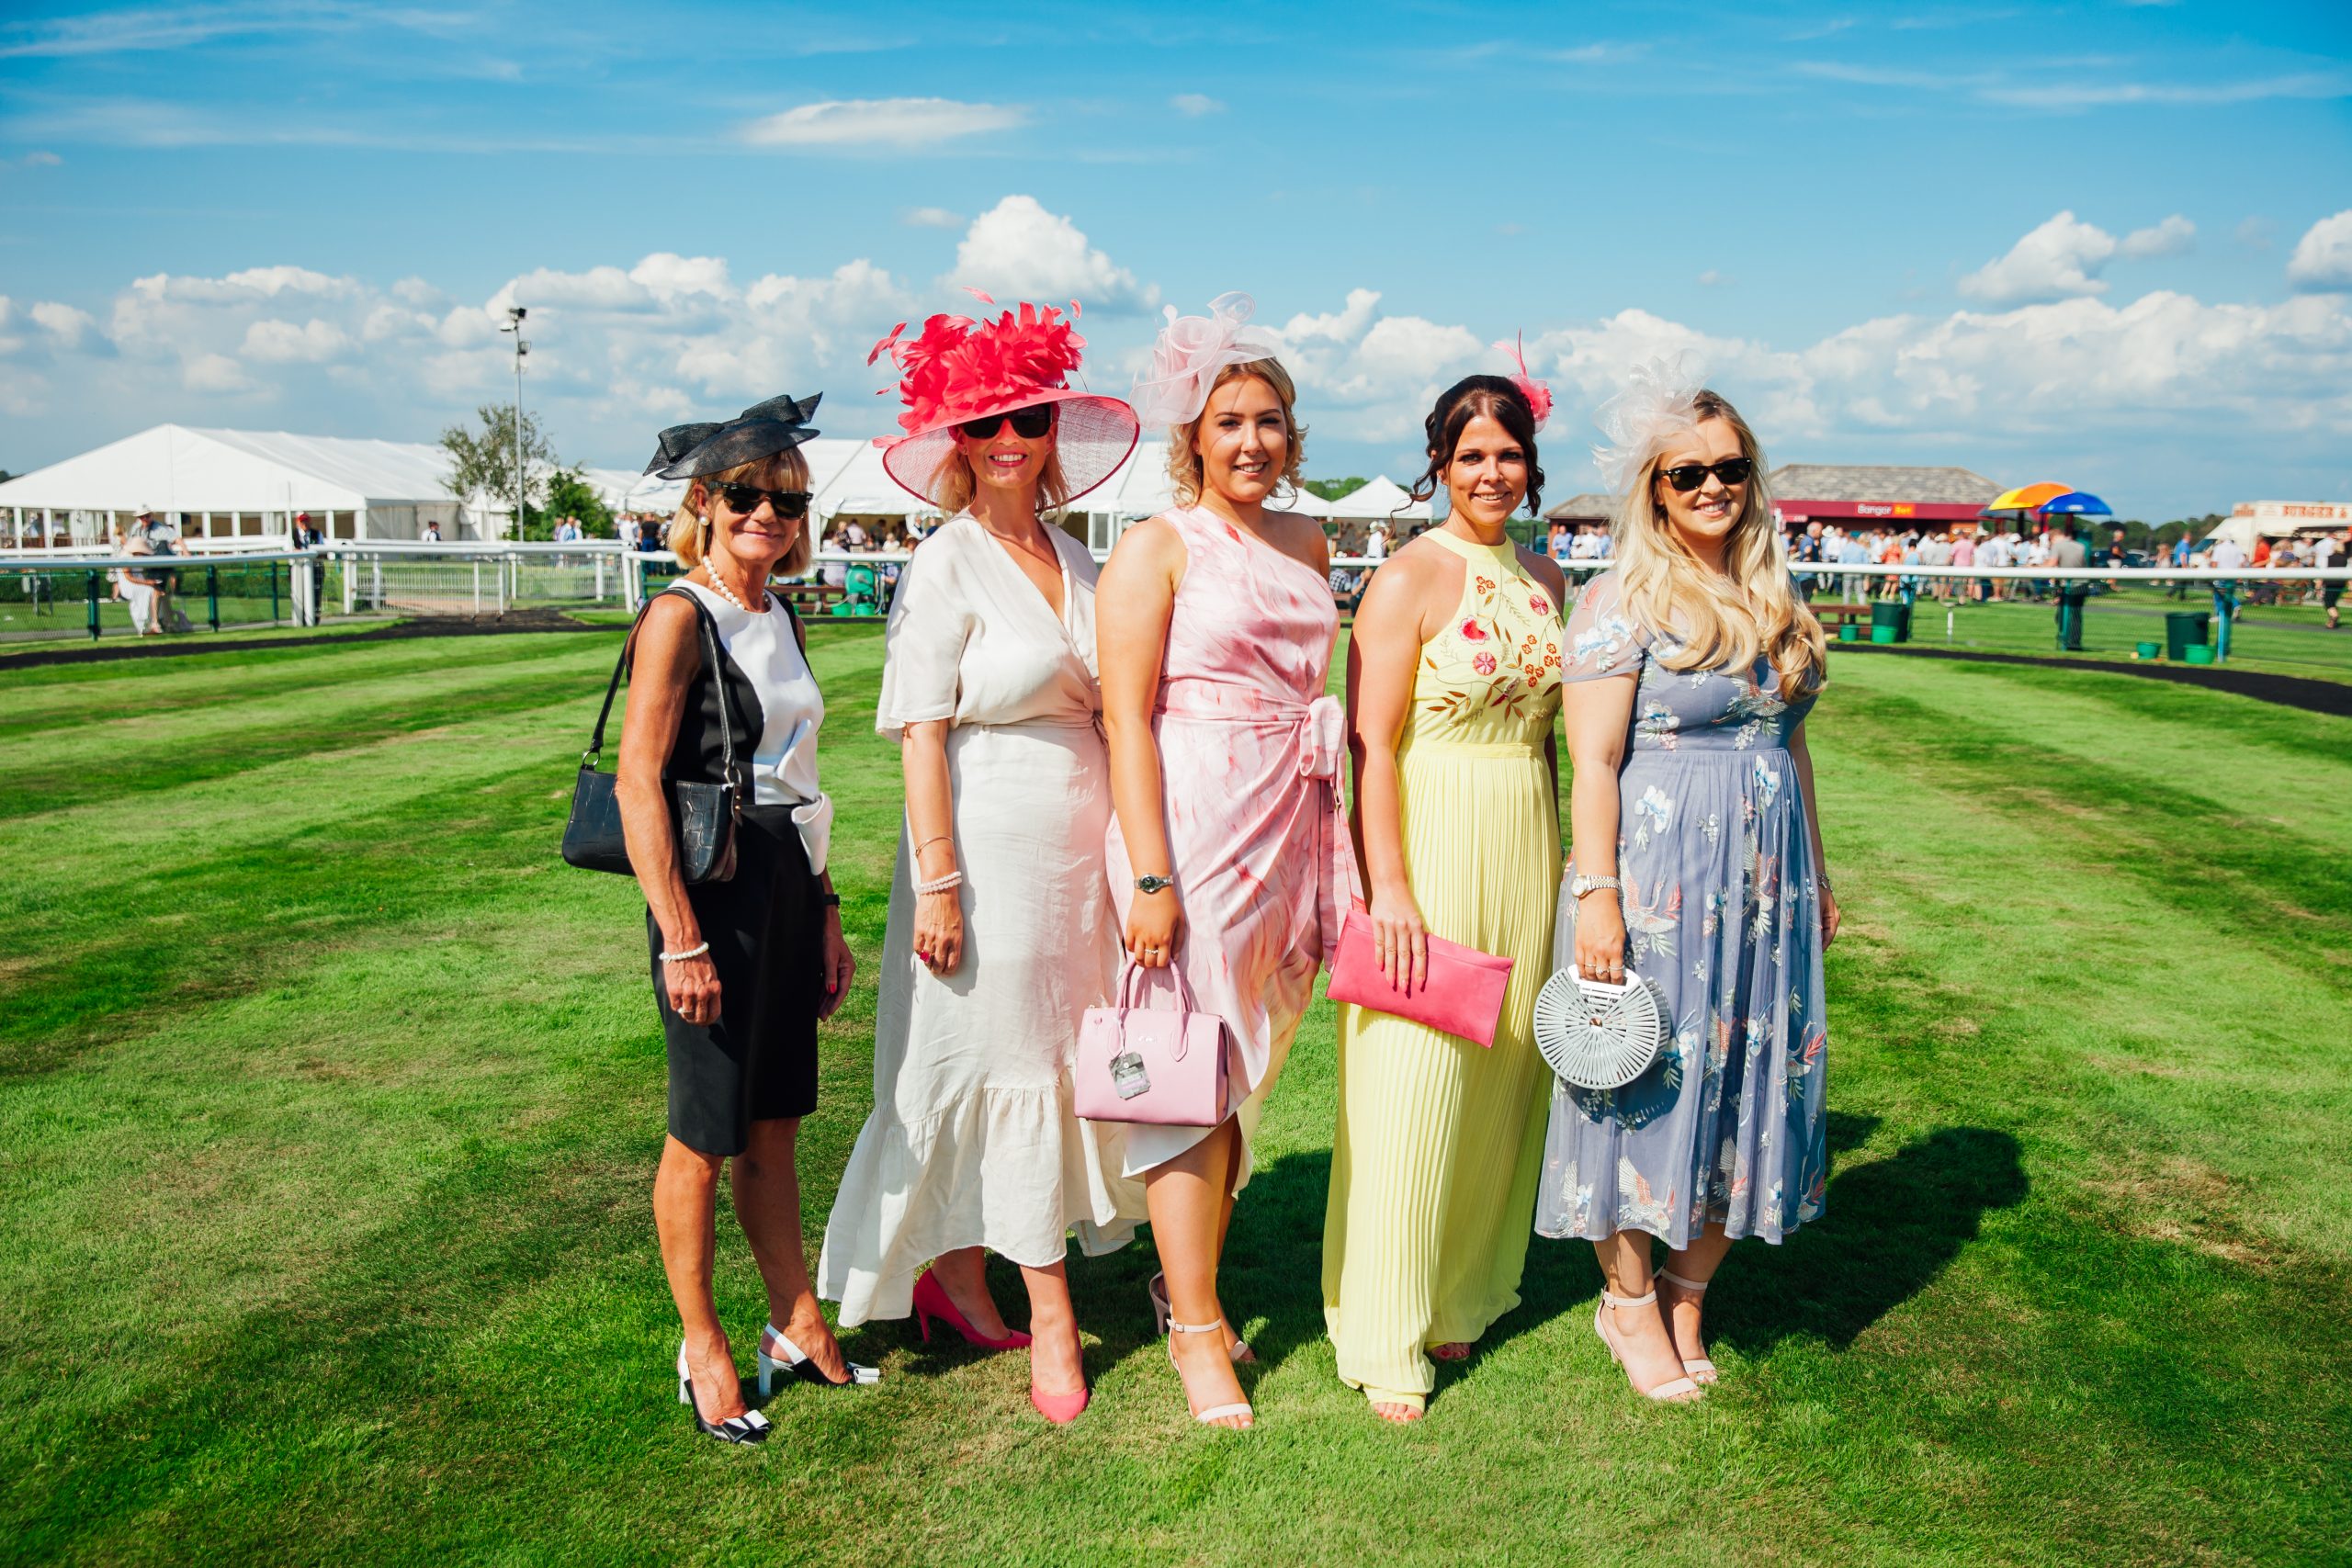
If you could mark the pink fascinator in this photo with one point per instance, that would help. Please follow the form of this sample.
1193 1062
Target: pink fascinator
1657 402
1537 393
1190 351
957 369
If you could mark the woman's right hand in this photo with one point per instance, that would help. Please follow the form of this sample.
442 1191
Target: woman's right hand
1400 938
693 985
1155 922
939 931
1600 937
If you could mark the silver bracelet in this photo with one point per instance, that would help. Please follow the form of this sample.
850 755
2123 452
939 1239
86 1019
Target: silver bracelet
954 879
696 952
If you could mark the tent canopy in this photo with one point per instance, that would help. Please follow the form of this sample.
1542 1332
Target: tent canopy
174 467
1384 499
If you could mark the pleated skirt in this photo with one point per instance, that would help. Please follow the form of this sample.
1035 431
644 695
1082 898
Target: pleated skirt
1439 1140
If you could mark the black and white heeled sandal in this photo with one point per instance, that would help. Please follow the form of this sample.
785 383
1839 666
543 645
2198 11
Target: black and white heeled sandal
1701 1369
749 1427
792 1361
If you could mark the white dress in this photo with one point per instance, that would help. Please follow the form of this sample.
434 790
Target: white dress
973 1140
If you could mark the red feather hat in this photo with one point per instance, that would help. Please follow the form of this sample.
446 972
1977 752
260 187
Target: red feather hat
959 369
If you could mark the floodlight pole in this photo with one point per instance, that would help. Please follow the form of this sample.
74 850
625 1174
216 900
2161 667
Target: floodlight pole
514 314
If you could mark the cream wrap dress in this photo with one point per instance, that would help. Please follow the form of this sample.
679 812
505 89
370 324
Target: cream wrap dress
973 1140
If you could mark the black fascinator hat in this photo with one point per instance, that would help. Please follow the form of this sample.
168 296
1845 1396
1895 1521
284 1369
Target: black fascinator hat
693 451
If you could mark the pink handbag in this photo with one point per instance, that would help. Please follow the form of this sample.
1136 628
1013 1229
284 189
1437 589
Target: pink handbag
1464 993
1139 1063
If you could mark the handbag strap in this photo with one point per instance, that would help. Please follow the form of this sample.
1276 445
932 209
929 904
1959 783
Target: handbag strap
588 758
1134 974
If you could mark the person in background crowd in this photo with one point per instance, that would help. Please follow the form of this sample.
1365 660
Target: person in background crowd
2329 551
432 531
2066 551
1375 542
2178 556
743 967
1805 549
132 585
2227 555
1963 556
1561 543
306 536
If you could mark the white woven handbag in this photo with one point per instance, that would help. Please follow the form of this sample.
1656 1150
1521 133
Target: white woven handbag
1594 1034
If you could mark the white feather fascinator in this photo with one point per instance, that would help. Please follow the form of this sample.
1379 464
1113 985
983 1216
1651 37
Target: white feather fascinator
1191 350
1657 401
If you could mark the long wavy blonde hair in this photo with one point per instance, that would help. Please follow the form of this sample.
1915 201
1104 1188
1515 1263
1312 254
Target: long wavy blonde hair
1717 621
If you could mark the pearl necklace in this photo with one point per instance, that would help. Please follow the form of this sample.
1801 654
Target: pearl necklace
718 586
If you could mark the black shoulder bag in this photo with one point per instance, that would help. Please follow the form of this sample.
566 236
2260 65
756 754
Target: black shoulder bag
703 815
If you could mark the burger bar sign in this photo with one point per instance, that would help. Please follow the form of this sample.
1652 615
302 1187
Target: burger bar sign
2294 514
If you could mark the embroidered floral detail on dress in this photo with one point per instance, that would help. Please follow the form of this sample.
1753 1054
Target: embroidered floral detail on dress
1471 631
1483 663
1653 813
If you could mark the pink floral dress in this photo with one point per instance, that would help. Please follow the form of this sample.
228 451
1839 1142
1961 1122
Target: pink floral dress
1250 752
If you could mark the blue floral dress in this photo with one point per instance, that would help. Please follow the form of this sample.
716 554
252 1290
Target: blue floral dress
1723 921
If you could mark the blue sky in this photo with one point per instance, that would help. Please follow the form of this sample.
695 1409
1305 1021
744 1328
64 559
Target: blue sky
2105 243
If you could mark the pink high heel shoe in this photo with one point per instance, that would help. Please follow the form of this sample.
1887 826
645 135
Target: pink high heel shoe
931 1300
1061 1409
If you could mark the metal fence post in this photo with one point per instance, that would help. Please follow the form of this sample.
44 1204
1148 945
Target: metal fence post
375 582
477 588
273 593
350 583
94 607
212 595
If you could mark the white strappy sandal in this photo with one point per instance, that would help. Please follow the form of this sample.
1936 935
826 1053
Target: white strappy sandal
1160 1313
791 1360
1701 1369
1214 1412
1674 1390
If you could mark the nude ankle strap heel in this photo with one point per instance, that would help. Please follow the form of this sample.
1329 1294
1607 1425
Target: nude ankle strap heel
1674 1390
1214 1412
1701 1369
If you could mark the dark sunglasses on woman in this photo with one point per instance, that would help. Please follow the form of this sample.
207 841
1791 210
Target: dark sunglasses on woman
1688 476
1027 423
744 500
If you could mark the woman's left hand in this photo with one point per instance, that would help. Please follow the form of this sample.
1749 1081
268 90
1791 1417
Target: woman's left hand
841 965
1828 916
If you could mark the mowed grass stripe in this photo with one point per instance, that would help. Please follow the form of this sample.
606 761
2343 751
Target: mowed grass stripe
2283 768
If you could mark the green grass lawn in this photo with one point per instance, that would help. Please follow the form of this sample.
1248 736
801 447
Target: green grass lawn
330 1099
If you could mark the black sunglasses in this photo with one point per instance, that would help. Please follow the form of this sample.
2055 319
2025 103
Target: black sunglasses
744 500
1688 477
1027 423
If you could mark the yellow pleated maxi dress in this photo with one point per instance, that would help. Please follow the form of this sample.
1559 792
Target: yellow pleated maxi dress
1441 1140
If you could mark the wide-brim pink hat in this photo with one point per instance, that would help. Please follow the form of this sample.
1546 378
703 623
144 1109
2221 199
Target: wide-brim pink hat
959 369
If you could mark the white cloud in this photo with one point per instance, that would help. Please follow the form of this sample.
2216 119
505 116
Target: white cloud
40 160
2322 258
1383 371
2175 236
669 277
1194 105
62 322
931 218
1018 249
2063 257
214 373
880 122
1713 278
282 343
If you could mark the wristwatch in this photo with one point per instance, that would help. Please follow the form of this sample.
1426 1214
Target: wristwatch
1154 884
1579 886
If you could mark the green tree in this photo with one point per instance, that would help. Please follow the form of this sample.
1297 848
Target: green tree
570 495
481 461
1332 490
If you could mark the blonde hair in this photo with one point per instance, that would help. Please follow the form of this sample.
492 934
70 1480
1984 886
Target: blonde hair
689 529
953 483
1184 469
1717 622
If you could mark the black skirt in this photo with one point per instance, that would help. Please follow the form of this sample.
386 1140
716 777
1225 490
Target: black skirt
765 927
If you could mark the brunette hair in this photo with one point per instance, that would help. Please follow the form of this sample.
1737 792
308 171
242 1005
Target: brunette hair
1185 475
788 469
1495 398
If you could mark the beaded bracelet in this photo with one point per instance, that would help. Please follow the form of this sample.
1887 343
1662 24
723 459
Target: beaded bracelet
696 952
954 879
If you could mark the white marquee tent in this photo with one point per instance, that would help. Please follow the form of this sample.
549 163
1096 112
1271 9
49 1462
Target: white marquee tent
246 484
1384 499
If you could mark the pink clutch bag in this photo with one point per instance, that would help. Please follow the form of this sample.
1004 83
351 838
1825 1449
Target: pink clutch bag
1139 1063
1464 994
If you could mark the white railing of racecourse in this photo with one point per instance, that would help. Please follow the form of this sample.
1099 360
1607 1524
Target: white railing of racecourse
619 570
